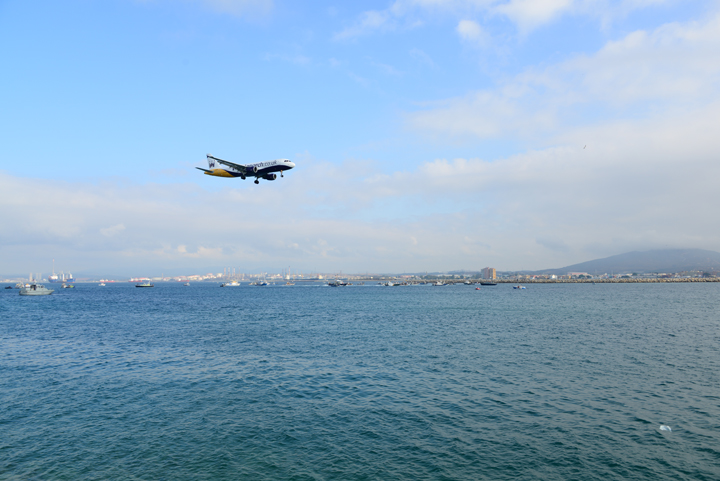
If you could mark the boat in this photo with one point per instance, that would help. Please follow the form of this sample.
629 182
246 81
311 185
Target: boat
477 288
144 284
519 287
67 286
337 283
488 283
8 287
288 283
261 283
35 290
439 283
187 284
102 284
230 284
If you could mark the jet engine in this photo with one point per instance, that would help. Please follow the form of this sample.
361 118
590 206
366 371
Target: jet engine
270 176
251 170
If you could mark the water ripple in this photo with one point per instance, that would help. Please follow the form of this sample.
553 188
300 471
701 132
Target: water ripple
562 382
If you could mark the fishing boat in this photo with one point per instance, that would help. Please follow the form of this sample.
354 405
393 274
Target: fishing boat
35 290
144 284
230 284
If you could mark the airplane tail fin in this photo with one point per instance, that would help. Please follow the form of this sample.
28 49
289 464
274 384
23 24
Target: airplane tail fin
211 161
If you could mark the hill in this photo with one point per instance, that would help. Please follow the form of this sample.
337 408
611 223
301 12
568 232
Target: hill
663 260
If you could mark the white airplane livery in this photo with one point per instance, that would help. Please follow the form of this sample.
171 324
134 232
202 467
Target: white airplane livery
260 170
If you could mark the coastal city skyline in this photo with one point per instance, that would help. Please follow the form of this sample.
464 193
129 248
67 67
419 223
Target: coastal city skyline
425 136
656 264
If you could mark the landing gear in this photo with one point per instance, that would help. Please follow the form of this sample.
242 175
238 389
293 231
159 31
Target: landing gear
281 174
257 181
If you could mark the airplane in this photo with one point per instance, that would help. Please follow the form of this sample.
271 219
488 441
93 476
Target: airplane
260 170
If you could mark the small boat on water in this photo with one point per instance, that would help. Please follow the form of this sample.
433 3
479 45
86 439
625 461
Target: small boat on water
144 284
67 286
488 283
230 284
35 290
288 283
102 284
187 284
519 287
8 287
477 288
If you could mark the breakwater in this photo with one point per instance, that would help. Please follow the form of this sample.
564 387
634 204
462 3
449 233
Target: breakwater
586 281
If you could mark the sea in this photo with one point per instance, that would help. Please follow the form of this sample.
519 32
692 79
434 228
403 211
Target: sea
310 382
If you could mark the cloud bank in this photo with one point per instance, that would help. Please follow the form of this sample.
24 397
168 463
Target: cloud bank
635 185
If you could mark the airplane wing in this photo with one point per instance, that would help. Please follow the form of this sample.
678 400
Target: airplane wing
246 170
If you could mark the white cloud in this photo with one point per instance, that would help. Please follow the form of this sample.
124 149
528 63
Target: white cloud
526 15
113 230
675 67
470 31
529 14
370 21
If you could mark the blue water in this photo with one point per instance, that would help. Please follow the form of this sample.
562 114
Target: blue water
556 382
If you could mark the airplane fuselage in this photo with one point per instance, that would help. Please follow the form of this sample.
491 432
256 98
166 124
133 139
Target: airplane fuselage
260 170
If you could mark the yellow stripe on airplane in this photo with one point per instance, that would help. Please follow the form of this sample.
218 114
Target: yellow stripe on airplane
219 173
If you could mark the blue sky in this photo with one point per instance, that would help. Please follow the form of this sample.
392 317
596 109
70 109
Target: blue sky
428 134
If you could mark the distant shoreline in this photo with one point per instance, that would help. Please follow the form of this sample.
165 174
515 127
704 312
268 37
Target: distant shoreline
603 281
446 281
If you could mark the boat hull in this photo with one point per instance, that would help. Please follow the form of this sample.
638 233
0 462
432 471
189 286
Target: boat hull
35 292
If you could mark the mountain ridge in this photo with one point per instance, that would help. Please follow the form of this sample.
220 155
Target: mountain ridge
658 260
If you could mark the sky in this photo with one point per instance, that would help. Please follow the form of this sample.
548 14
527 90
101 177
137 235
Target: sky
428 135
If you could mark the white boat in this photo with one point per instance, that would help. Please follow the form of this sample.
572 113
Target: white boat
102 284
230 284
519 287
186 284
35 290
439 283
